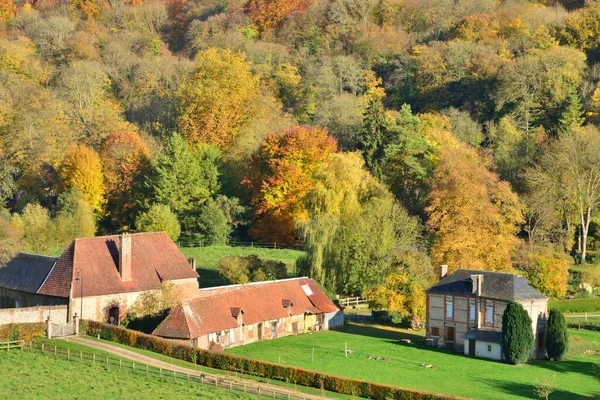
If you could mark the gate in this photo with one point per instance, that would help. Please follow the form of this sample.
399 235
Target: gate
58 330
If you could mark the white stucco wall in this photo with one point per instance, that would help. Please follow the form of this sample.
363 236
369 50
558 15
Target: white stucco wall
481 350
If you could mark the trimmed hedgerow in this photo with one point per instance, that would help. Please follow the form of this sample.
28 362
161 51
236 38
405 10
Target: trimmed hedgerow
25 331
229 362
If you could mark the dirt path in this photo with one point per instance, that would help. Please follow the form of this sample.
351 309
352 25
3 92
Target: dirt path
137 357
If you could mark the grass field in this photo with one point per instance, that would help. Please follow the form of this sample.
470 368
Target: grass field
207 260
576 305
27 375
453 374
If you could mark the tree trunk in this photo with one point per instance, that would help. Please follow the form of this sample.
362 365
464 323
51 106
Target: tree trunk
585 227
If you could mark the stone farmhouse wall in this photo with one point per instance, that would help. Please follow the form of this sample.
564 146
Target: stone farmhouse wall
33 314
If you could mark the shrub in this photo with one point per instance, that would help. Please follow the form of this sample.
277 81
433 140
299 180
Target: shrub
229 362
250 269
517 334
26 331
557 339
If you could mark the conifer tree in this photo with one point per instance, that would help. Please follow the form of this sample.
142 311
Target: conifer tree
572 117
517 334
372 137
557 339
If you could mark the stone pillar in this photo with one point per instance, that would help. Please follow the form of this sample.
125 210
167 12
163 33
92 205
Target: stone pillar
48 329
76 324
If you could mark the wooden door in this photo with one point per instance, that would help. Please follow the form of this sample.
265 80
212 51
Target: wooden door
450 334
260 329
472 348
295 327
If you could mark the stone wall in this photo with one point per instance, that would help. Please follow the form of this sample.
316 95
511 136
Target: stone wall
33 314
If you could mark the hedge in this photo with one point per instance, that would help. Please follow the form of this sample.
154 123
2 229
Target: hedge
576 305
25 331
229 362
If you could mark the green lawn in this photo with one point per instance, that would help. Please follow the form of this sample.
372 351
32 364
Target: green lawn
453 374
31 375
207 260
591 305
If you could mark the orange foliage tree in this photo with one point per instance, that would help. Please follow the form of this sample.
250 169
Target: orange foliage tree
219 99
82 169
88 8
7 10
267 14
125 157
280 174
474 215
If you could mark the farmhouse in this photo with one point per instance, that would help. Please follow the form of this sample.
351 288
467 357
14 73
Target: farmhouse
100 276
234 315
464 310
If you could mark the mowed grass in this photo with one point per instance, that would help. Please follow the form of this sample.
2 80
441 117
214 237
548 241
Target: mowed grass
591 305
207 260
31 375
454 373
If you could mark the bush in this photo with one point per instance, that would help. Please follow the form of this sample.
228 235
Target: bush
517 334
27 331
229 362
250 269
557 339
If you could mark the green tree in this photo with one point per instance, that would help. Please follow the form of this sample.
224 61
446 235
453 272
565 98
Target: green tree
557 336
572 116
517 334
159 218
211 225
372 139
35 224
74 218
10 239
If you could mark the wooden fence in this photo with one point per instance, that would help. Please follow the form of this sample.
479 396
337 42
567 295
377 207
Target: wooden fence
15 344
270 245
217 382
352 301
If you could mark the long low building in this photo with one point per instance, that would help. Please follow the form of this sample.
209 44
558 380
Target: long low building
234 315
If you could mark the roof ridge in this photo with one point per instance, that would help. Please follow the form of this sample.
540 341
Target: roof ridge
37 255
119 234
240 285
484 271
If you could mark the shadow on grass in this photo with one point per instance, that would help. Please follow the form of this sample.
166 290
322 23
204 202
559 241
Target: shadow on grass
528 390
567 367
210 278
377 331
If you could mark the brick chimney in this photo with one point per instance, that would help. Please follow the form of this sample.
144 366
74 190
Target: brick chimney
125 257
443 271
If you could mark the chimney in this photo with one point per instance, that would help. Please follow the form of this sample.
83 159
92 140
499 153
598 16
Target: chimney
443 271
125 257
192 262
479 284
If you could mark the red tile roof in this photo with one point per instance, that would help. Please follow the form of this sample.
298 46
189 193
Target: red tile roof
260 301
154 258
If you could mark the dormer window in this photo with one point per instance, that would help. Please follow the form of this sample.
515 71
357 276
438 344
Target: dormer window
468 285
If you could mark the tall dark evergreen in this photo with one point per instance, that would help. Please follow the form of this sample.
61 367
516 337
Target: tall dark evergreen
557 338
372 137
517 334
572 116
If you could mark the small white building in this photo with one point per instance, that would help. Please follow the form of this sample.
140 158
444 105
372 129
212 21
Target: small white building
484 343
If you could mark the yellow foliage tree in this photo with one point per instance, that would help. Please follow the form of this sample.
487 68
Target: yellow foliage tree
547 270
82 169
473 214
219 99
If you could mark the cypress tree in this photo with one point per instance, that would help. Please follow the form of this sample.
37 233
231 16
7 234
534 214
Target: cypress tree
557 339
372 137
517 334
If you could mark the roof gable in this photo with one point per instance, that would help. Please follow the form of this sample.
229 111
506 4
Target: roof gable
154 258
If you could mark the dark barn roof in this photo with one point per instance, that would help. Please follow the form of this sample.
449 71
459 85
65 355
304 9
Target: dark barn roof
484 335
26 272
496 285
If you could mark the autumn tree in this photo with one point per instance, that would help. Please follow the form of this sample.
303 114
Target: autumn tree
74 218
35 226
568 177
218 100
10 238
159 218
125 158
280 175
546 269
82 170
267 14
7 10
473 215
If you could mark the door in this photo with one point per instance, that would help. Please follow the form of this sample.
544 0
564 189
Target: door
113 316
260 331
295 328
449 334
273 330
472 348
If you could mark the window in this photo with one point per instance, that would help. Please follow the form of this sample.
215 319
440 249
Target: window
218 337
435 331
449 308
471 311
489 313
489 348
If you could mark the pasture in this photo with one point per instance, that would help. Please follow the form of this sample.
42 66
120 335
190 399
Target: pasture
400 363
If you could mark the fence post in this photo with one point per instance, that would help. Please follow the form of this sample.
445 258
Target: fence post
69 354
161 371
93 358
188 378
202 379
120 364
81 356
42 347
8 346
55 354
107 361
132 366
174 376
259 392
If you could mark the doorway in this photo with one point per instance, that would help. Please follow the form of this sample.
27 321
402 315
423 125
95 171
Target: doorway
260 329
450 334
472 347
113 315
